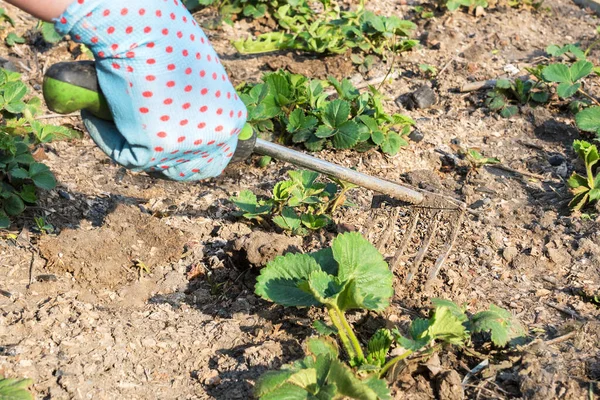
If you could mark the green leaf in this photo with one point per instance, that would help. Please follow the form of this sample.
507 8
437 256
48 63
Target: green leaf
322 347
13 39
587 152
324 287
248 203
360 262
271 381
48 133
380 387
13 205
579 201
324 258
445 326
323 329
315 222
503 84
19 173
450 305
509 111
288 220
50 34
281 191
576 181
557 73
565 90
325 131
336 113
588 120
4 220
304 178
499 322
540 97
299 121
13 92
379 346
346 136
305 378
41 176
349 385
15 389
595 193
281 279
580 69
28 194
257 11
392 143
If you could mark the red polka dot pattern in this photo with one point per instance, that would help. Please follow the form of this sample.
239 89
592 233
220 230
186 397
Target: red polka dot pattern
169 93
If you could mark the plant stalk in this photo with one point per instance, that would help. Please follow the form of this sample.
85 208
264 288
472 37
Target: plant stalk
393 362
596 102
341 332
355 343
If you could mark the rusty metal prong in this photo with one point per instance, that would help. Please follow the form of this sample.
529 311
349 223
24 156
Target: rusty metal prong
414 220
453 234
423 250
388 230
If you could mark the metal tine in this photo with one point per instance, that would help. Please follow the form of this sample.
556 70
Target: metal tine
423 250
414 220
453 234
388 230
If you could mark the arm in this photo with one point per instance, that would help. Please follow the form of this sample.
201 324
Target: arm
46 10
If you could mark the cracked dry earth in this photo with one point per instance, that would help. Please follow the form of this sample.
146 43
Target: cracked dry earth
81 315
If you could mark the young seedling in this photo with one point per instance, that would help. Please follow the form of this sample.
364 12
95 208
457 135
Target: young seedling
297 204
585 189
352 274
43 226
428 70
506 92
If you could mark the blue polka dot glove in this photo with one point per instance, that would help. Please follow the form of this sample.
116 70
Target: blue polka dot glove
175 111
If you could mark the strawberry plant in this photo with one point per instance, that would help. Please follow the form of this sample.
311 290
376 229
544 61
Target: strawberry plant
20 174
352 274
19 115
585 188
300 107
297 204
565 79
330 31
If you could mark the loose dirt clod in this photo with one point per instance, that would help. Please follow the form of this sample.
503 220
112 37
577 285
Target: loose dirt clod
104 257
261 247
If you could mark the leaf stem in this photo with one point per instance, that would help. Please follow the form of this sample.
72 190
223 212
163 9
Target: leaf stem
341 332
393 362
596 102
355 343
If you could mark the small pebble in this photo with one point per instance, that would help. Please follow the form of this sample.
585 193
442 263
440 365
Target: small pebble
46 278
556 159
416 136
423 97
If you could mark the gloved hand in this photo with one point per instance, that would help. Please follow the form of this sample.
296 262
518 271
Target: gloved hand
175 111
